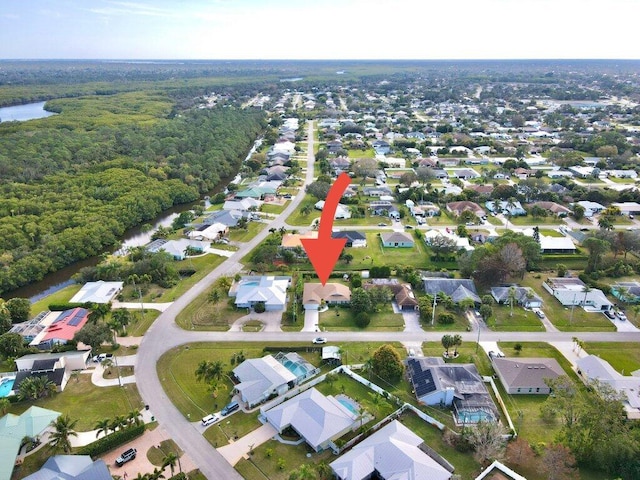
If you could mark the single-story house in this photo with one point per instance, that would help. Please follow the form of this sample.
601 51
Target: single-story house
243 205
392 453
55 367
590 208
622 173
381 147
572 291
354 239
432 237
456 385
331 293
556 245
258 379
294 240
340 164
508 208
396 240
204 231
376 191
177 248
527 375
318 419
62 329
593 367
402 292
97 292
270 290
458 207
627 292
456 288
484 189
498 471
553 207
256 193
464 173
72 467
342 211
524 296
14 428
628 208
230 218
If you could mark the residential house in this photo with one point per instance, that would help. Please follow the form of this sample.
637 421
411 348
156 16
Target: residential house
458 289
553 207
72 467
392 453
432 236
396 240
402 292
204 231
178 248
627 292
584 172
527 375
381 147
498 471
464 174
342 211
483 190
334 146
291 241
381 207
340 164
54 367
622 173
459 386
270 290
592 368
354 239
571 291
591 208
244 205
628 208
62 329
376 191
511 208
97 292
315 294
229 218
456 208
559 174
523 173
523 296
556 244
255 192
258 379
14 428
320 420
394 162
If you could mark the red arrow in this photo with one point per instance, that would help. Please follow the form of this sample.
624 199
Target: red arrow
323 252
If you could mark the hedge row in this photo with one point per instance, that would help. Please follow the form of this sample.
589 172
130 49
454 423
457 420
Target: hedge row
59 307
112 440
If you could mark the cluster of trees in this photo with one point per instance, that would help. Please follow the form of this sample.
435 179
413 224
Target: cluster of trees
387 364
364 302
14 310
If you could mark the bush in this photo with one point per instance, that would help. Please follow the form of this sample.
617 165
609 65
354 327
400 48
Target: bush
259 307
363 320
446 319
59 307
112 441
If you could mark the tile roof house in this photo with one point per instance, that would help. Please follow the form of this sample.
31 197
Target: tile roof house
402 292
552 207
331 293
294 240
97 292
270 290
14 428
354 239
456 288
455 385
72 467
526 375
396 240
524 296
458 207
391 453
318 419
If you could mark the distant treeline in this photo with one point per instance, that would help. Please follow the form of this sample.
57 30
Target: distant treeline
70 188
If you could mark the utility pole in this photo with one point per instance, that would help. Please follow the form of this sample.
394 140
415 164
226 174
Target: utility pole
433 310
573 305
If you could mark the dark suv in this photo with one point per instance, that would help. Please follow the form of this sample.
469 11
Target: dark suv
126 456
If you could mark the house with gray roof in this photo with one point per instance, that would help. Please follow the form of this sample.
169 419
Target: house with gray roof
72 467
454 385
392 453
230 218
354 239
97 292
457 288
318 419
396 240
524 296
527 375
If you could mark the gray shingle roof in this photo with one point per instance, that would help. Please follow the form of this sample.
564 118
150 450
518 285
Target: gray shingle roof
457 288
527 372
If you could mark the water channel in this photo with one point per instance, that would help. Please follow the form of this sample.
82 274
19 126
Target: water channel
21 113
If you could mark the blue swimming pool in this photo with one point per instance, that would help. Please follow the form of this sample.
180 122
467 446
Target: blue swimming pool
349 405
475 416
6 385
295 368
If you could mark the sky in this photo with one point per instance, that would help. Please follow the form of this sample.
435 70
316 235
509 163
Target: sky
318 29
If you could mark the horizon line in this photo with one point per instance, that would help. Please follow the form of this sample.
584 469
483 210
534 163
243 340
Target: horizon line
134 59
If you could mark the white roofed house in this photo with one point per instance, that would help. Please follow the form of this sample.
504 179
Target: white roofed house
97 292
270 290
391 453
573 291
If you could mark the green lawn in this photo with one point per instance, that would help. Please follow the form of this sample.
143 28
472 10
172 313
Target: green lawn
529 220
297 218
61 296
521 321
548 232
343 319
232 427
244 235
202 314
375 254
624 357
561 316
276 209
85 402
203 265
141 323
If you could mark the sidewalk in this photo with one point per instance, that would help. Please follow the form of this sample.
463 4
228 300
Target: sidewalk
136 305
99 381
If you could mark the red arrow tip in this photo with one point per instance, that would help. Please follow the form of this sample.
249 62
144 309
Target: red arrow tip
323 254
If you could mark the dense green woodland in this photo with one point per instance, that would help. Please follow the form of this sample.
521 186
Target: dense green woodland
72 186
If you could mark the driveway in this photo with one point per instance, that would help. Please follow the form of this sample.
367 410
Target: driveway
270 320
311 320
234 452
411 321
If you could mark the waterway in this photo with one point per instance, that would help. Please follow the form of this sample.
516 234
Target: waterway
135 237
21 113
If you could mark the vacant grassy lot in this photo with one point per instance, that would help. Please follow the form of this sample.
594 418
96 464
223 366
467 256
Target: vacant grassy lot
202 265
375 254
85 402
244 235
203 314
342 319
273 208
140 323
61 296
529 220
521 321
232 427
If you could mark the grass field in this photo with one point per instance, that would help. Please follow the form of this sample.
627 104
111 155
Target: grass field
529 220
202 314
375 254
244 235
276 209
141 323
342 319
61 296
521 321
203 265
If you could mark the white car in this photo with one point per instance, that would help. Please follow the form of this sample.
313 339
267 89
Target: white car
621 315
209 419
319 340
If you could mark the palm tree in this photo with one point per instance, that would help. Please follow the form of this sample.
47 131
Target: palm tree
511 298
586 289
324 471
156 474
456 341
170 460
102 426
63 428
118 422
134 417
447 343
121 318
4 406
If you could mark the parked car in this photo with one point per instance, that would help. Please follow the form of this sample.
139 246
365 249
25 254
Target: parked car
319 340
126 456
540 313
231 407
382 224
408 227
498 354
101 357
209 419
609 314
620 314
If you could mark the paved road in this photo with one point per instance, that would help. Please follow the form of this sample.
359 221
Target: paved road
164 334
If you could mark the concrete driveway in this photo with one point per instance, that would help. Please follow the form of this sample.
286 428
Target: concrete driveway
270 320
311 320
238 449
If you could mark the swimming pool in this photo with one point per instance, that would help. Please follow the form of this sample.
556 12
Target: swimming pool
6 385
295 368
474 416
349 404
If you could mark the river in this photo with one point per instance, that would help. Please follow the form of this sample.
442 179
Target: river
134 237
21 113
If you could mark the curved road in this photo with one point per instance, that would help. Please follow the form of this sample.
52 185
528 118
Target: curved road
164 334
